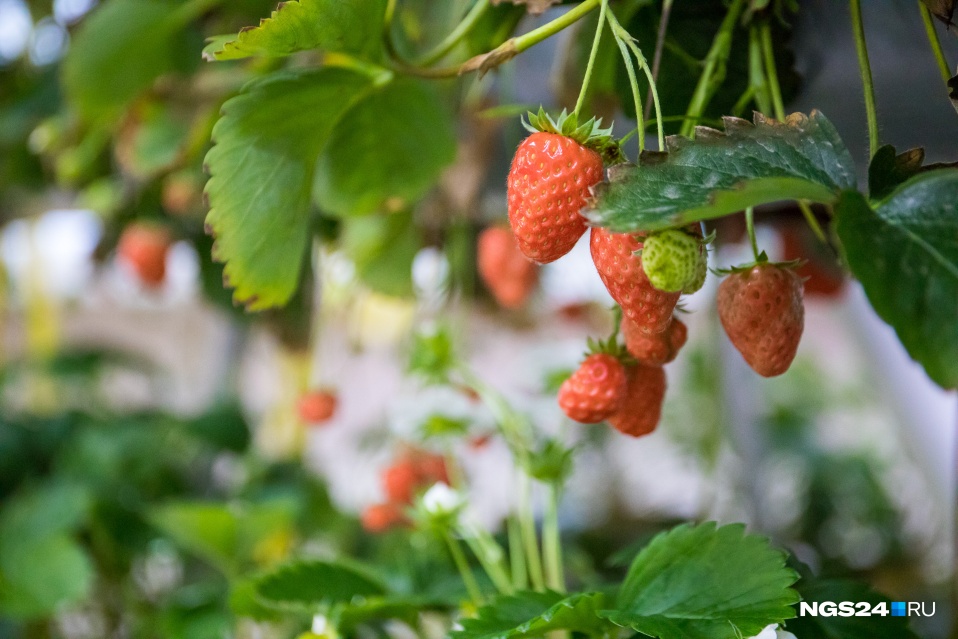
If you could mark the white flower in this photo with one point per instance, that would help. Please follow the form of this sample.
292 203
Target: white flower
320 623
774 632
442 500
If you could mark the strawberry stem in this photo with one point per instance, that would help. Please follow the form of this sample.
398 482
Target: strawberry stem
812 221
935 43
866 72
455 36
765 31
750 226
587 78
633 82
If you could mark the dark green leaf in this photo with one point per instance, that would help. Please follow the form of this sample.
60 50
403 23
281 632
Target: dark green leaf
386 152
905 253
347 26
720 173
261 174
535 614
888 169
837 590
705 582
311 584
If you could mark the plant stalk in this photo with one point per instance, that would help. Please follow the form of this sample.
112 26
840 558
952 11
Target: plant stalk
455 36
771 72
459 558
552 542
935 43
587 78
750 226
865 70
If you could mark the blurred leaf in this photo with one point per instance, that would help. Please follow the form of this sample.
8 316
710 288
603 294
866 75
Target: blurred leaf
433 355
45 511
720 173
209 530
905 253
386 152
261 172
39 574
311 584
838 590
705 582
150 140
535 614
383 249
494 27
346 26
223 426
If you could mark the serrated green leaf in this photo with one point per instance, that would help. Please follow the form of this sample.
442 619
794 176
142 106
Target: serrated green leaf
346 26
261 174
720 173
705 582
311 584
534 614
837 590
386 152
905 254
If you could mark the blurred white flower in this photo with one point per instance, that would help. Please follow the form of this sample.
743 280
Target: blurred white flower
442 500
320 623
774 632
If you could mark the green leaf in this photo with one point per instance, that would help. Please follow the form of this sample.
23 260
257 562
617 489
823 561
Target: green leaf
386 152
383 249
120 49
705 582
40 574
534 614
720 173
837 590
211 531
346 26
905 253
44 512
311 584
261 174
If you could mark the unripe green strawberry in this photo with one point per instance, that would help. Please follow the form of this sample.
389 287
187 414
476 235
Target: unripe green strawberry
762 313
701 272
595 390
641 409
670 259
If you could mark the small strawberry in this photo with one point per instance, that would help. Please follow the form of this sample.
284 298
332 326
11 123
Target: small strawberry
431 469
615 258
762 313
317 406
549 181
595 390
701 272
143 247
642 407
670 259
507 273
381 517
658 349
400 481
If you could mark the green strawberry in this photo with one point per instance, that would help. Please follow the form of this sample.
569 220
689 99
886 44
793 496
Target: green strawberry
701 272
671 259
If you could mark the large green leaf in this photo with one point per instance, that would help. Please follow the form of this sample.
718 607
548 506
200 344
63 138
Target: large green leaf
705 582
720 173
386 151
261 175
383 249
535 614
838 627
905 253
311 584
120 49
45 511
348 26
38 574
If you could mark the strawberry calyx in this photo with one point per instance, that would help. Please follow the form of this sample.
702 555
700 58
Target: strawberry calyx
760 261
589 134
610 346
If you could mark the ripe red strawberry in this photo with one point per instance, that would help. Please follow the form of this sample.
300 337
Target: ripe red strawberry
381 517
143 247
658 349
762 313
400 481
507 273
431 469
317 406
621 271
595 390
549 181
642 407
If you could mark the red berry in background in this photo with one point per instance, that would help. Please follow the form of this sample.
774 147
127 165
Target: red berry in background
641 409
431 469
143 247
820 272
506 272
400 481
381 517
658 349
762 313
317 406
621 271
548 184
595 390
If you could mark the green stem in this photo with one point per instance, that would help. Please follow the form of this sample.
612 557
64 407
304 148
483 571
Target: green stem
935 43
459 558
750 226
490 556
455 36
523 42
551 542
587 78
771 72
812 221
747 96
866 72
527 526
637 52
517 556
633 80
659 47
715 60
757 79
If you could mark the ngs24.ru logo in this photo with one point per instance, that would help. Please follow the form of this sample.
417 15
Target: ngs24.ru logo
866 609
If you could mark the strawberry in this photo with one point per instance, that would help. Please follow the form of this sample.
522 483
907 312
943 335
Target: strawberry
143 247
317 406
701 272
431 469
762 313
549 181
642 407
507 273
615 258
658 349
400 481
670 259
381 517
595 390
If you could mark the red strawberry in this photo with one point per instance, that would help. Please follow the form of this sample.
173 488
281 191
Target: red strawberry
762 313
317 406
400 481
642 406
549 182
621 272
431 469
381 517
143 247
595 390
658 349
507 273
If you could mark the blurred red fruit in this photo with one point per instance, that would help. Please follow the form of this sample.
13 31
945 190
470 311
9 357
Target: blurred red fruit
317 406
381 517
506 272
143 248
